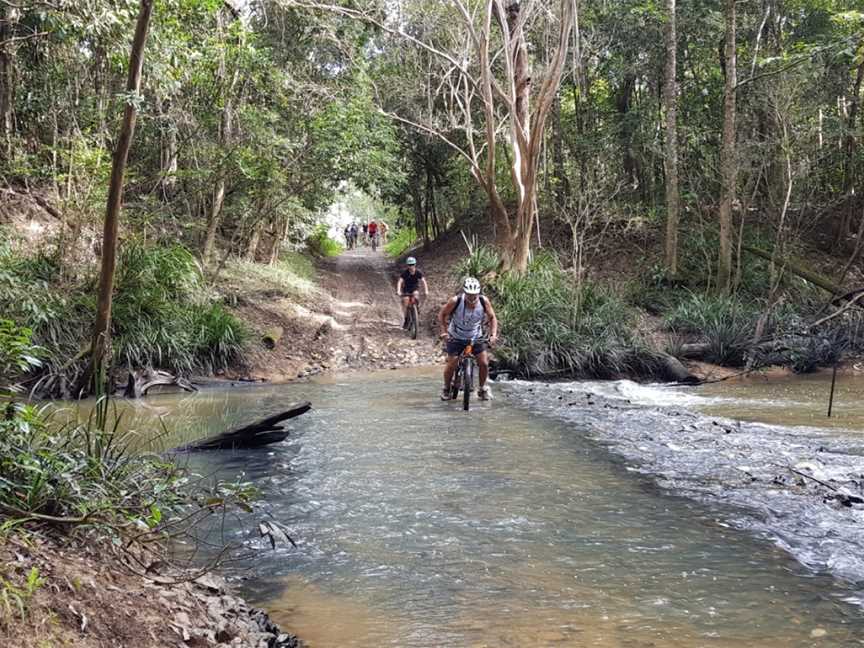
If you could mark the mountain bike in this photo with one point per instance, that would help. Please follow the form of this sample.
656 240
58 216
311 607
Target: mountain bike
412 317
375 242
463 377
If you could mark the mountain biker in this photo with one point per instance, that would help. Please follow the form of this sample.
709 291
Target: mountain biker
407 286
383 228
461 320
373 230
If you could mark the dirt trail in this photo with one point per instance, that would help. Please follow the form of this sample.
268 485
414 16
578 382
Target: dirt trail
352 322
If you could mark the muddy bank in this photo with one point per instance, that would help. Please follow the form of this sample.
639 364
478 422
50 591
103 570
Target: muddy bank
85 596
802 488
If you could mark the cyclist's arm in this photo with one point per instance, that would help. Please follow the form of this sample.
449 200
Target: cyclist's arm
493 321
425 286
399 286
444 314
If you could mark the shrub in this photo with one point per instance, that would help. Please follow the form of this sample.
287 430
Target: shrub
403 240
552 325
321 245
481 262
725 323
163 317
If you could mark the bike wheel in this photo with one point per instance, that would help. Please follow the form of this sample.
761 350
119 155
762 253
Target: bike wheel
412 321
467 381
455 382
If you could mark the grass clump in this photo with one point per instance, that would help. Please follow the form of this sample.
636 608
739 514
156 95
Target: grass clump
725 323
321 245
553 325
164 317
482 262
402 241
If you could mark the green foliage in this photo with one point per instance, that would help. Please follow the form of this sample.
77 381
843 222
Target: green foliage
552 325
725 323
88 476
321 245
15 599
481 261
163 317
17 354
404 239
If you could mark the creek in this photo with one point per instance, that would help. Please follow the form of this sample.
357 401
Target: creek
529 521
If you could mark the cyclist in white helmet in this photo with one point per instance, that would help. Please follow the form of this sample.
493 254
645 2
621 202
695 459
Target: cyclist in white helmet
461 319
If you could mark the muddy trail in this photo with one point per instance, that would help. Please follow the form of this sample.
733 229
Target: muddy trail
352 320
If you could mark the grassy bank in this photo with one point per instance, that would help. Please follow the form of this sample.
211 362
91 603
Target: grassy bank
164 314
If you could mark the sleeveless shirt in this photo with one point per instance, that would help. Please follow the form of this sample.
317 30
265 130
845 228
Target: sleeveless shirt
465 322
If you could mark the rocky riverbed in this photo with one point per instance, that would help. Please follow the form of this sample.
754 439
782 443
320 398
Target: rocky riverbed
801 487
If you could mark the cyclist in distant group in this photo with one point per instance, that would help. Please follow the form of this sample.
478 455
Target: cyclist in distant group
373 232
461 319
349 240
407 286
365 231
383 228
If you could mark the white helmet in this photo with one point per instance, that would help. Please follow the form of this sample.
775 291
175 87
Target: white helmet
471 286
410 261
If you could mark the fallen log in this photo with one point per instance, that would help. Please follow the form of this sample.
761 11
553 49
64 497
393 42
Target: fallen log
257 434
139 382
674 371
272 336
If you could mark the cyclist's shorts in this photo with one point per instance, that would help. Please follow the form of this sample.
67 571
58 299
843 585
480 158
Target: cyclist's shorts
455 347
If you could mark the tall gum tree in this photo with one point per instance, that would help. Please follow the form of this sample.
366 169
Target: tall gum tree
728 163
484 94
102 328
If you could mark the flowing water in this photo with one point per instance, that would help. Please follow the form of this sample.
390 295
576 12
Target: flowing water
420 525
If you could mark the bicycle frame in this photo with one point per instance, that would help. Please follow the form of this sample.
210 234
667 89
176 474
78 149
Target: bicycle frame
464 374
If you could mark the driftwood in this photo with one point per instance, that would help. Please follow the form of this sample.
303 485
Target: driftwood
675 371
140 381
272 336
257 434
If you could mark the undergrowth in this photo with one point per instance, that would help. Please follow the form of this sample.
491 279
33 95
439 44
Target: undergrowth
163 315
552 325
321 245
402 241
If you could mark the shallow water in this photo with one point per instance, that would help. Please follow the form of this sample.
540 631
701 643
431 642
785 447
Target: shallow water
779 400
420 525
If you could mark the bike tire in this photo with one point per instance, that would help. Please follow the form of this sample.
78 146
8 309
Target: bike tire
455 381
412 321
467 381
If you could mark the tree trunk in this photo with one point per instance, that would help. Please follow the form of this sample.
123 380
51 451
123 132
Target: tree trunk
622 104
169 150
254 239
225 130
670 101
102 329
7 79
728 164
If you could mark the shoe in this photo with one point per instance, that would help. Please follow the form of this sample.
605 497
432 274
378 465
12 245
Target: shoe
485 394
445 394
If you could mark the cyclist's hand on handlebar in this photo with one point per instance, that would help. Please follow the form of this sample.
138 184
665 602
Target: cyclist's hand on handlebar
493 340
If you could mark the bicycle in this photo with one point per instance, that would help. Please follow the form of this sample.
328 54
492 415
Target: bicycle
375 241
412 316
463 377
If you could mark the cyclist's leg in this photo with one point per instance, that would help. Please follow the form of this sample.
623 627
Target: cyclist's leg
483 365
405 301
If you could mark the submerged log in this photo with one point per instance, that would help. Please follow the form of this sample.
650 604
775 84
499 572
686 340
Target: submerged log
257 434
140 381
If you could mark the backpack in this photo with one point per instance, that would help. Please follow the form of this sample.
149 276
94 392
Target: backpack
462 296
